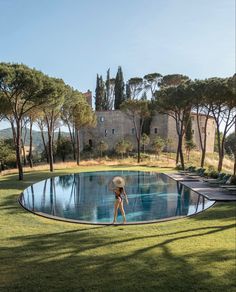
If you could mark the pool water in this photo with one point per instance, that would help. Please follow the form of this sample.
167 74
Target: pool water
85 197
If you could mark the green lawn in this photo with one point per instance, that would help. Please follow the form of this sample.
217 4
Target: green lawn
38 254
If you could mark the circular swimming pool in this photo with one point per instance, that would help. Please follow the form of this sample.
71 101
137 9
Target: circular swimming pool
85 198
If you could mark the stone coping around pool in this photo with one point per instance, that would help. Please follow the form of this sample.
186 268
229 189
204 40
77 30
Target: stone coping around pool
213 193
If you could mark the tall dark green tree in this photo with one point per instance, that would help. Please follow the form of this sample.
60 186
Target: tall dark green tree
100 94
119 89
188 127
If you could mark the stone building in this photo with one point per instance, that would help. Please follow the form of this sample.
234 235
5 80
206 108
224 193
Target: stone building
112 126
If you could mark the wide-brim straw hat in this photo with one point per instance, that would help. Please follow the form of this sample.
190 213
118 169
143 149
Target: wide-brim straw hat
118 181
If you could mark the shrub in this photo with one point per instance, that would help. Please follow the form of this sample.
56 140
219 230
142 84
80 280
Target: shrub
213 174
211 168
179 167
233 180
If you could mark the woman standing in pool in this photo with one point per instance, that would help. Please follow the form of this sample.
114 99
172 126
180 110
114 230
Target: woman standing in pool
119 191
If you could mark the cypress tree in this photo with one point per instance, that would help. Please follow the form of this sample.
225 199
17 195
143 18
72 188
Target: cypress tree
188 128
100 94
119 89
189 144
107 105
97 96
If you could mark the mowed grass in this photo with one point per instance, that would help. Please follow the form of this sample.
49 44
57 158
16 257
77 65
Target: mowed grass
38 254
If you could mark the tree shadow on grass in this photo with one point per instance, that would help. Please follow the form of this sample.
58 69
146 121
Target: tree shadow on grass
103 260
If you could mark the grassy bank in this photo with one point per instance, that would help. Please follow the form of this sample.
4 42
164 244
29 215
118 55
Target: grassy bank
38 254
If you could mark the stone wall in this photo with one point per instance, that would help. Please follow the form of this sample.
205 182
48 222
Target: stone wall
112 126
172 135
211 129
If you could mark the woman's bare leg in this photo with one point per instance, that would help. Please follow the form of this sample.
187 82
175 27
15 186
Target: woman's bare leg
122 211
116 206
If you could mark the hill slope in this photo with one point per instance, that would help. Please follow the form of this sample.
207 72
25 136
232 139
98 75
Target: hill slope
37 139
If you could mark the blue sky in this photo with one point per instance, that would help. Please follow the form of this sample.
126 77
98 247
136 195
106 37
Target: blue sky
76 39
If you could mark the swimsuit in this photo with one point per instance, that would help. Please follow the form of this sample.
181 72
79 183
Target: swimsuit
118 197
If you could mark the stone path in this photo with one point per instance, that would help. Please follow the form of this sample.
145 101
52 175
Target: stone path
214 193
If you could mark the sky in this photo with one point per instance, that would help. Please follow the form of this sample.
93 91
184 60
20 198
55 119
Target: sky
76 39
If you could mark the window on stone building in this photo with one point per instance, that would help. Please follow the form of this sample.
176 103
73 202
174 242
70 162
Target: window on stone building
113 131
105 132
133 131
155 130
102 119
192 131
192 118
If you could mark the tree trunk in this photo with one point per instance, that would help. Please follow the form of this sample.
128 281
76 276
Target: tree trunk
13 131
181 155
72 140
235 152
45 147
221 154
18 150
205 141
78 147
31 145
1 166
204 148
235 164
177 155
138 150
199 131
23 150
50 151
203 158
220 164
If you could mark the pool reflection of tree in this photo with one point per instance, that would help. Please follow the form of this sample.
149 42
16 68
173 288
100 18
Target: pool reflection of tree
65 181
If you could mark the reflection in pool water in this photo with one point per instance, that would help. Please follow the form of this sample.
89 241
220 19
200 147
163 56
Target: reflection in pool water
85 197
